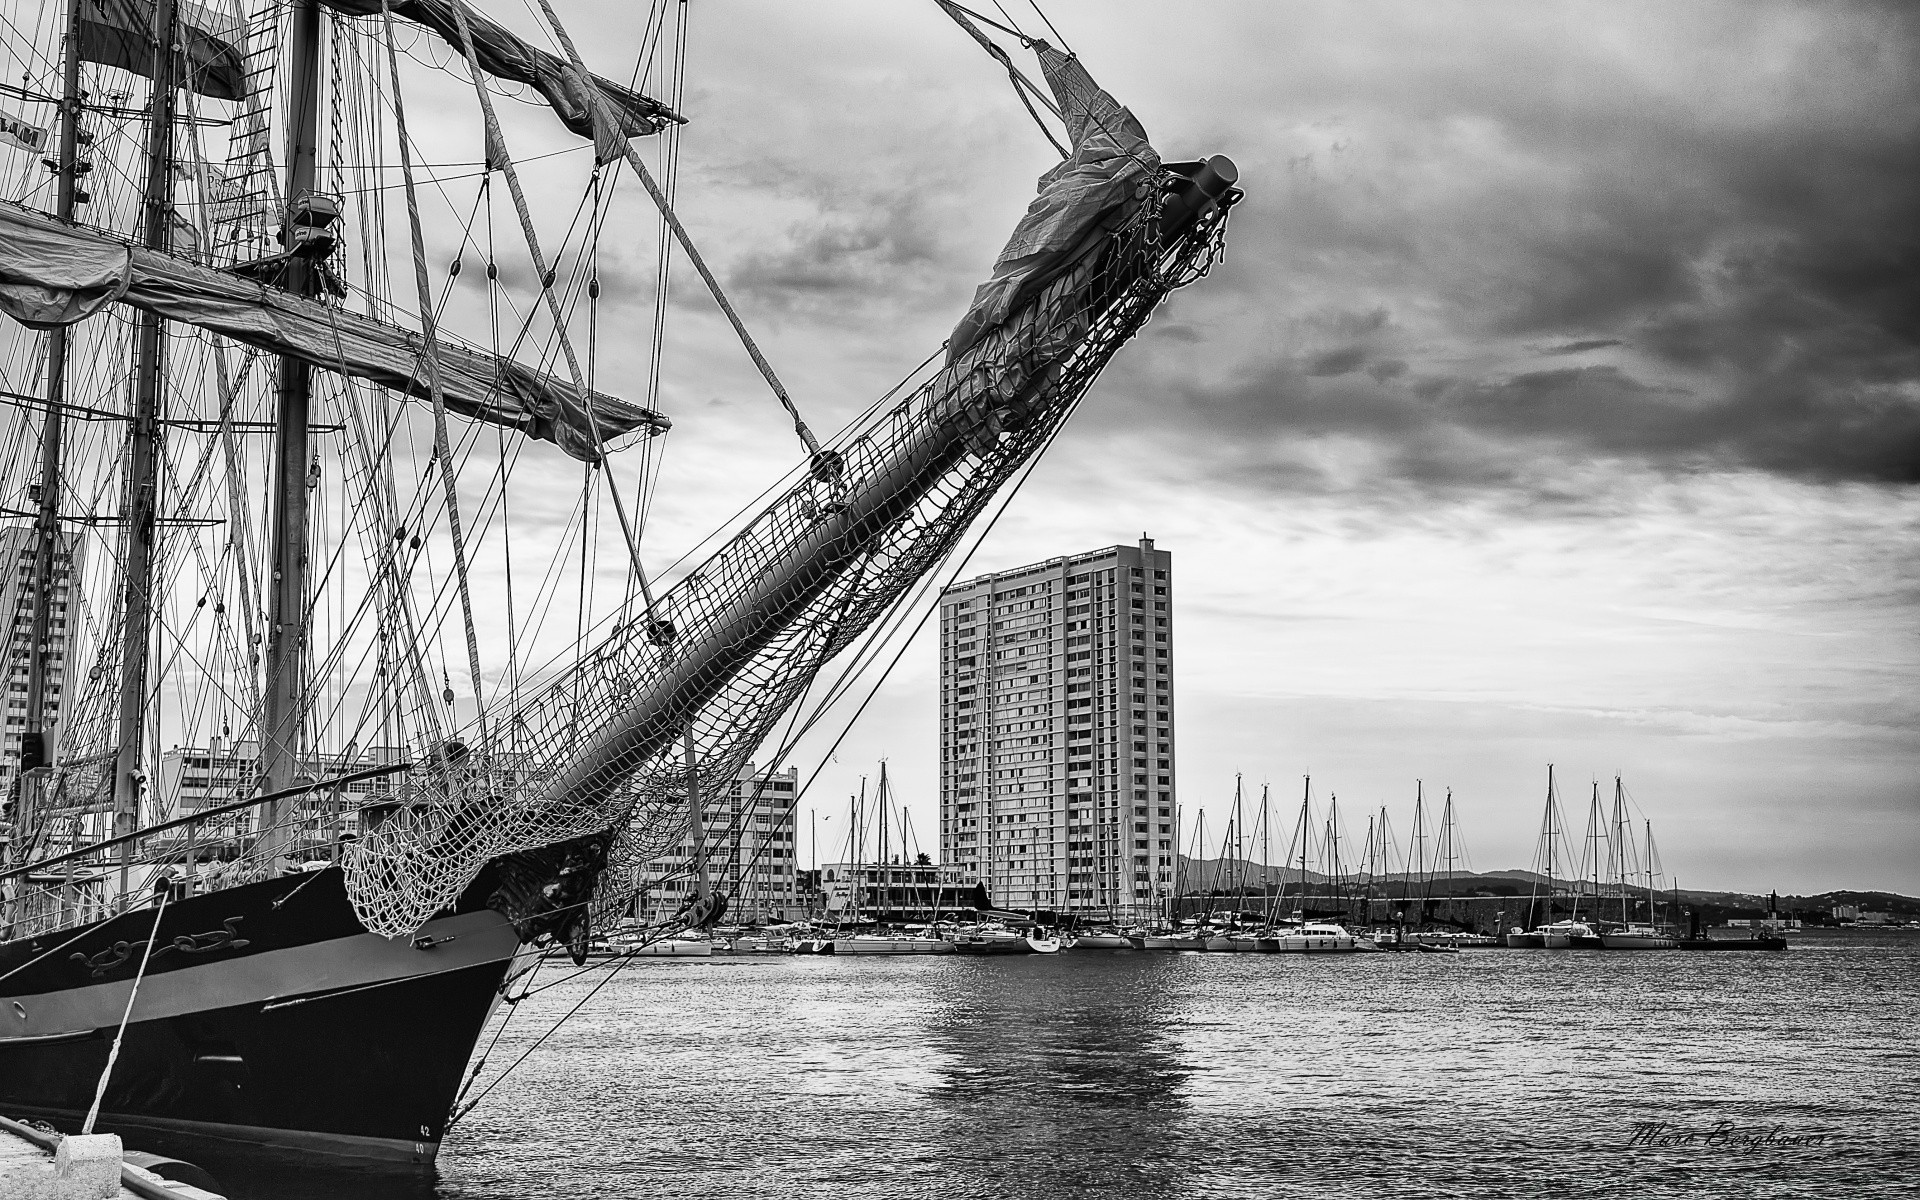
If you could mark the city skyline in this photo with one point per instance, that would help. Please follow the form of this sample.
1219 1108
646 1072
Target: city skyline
1550 405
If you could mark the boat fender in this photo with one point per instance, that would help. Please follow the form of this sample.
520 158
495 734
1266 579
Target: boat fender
173 1170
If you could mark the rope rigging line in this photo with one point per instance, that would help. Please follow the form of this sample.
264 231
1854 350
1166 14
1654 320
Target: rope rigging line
113 1055
825 467
442 453
1023 87
498 157
843 685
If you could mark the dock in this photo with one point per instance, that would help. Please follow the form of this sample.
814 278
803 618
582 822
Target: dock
38 1164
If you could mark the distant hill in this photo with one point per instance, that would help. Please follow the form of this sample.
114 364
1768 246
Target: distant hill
1225 874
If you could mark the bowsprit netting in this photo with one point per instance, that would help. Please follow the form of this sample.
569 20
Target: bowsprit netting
598 752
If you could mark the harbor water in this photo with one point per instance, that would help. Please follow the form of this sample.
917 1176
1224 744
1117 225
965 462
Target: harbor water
1488 1073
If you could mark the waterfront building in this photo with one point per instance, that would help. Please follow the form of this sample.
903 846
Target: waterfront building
191 778
898 891
1056 732
17 602
748 831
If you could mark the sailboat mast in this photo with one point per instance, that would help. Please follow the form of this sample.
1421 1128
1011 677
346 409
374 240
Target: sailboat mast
1239 847
141 509
1266 847
1650 918
283 693
1620 846
1419 844
1549 826
1306 795
879 905
46 527
46 542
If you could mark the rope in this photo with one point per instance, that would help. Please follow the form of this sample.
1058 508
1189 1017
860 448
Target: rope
113 1055
603 120
1022 86
841 686
497 157
442 450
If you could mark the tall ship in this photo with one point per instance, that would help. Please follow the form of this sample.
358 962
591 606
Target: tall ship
350 682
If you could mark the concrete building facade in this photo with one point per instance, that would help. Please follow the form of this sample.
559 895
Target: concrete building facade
1056 733
749 836
896 891
16 601
191 778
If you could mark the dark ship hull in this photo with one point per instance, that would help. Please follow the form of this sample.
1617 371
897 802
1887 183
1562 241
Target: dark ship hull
267 1018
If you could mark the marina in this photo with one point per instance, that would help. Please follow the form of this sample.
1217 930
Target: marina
1040 1076
719 598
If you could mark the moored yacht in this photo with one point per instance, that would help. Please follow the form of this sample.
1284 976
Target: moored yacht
1568 935
1640 937
892 943
692 944
1318 938
990 939
1184 940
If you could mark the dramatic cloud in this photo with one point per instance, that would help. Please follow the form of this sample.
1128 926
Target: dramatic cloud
1558 399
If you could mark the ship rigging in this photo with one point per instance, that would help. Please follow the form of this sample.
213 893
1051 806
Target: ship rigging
400 766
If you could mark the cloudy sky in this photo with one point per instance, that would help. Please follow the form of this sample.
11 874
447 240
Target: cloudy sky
1559 401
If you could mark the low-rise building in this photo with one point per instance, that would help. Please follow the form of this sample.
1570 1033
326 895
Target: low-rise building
895 890
192 778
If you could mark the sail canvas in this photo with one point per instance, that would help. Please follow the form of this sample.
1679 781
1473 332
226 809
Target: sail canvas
117 33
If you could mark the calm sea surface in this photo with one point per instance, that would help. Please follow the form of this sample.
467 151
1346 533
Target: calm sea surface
1493 1073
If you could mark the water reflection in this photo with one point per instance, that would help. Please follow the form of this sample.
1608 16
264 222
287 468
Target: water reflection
1060 1076
1506 1074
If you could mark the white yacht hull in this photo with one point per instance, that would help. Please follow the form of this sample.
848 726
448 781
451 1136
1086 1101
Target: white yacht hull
891 945
1638 941
1164 942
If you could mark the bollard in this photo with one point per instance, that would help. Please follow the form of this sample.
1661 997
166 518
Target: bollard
87 1168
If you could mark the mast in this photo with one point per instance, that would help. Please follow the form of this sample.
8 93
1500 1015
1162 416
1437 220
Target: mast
1266 848
1200 833
1419 846
1549 828
880 903
1650 915
283 694
1621 837
1336 878
1306 794
141 510
46 528
1239 847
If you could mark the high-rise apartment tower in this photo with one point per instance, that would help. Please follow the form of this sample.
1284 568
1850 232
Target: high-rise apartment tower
17 601
1056 732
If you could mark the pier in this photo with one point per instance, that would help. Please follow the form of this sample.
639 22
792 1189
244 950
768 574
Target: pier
38 1164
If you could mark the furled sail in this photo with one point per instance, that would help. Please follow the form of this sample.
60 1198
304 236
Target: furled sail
1111 157
117 33
505 56
53 274
739 640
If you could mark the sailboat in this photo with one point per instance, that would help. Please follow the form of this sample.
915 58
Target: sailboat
1636 935
296 942
1521 938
